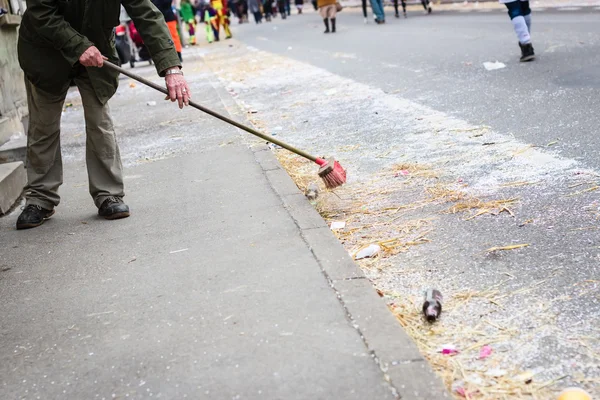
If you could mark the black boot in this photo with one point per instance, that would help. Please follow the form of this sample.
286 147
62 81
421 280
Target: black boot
332 25
33 216
113 208
326 21
527 53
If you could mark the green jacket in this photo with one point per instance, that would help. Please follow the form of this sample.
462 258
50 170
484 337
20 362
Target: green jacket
54 34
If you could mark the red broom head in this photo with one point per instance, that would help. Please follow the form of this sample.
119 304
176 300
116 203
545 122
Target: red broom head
332 173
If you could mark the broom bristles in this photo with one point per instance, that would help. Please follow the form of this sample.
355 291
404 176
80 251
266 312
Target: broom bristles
332 173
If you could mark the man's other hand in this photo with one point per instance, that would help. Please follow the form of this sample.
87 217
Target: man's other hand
92 58
178 89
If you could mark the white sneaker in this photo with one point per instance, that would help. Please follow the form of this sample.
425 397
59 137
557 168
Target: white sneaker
366 21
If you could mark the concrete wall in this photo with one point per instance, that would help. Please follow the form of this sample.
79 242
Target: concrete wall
13 98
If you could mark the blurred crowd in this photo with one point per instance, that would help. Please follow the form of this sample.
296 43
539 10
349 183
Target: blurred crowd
189 20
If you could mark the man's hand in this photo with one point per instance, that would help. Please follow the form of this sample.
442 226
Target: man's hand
178 89
92 58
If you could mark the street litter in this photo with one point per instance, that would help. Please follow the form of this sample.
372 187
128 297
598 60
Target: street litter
131 84
448 349
335 225
312 191
503 248
526 377
367 252
459 389
491 66
432 307
485 352
574 394
151 103
177 251
495 372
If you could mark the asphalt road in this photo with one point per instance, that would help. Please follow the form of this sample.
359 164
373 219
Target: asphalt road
437 60
415 91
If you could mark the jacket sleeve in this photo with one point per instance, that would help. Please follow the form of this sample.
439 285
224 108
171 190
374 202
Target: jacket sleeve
53 29
152 26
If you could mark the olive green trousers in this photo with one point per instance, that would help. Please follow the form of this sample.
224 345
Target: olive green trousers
44 160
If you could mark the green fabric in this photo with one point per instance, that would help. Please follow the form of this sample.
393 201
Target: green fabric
186 12
54 34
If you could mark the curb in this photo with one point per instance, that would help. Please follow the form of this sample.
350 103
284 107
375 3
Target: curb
391 348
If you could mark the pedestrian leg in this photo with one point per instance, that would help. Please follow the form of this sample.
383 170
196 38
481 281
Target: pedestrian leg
520 26
105 172
210 34
426 6
518 21
214 23
396 9
404 8
364 9
526 12
225 23
326 22
377 7
192 32
332 25
281 7
44 160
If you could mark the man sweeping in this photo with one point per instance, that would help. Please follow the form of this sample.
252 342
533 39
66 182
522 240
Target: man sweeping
64 41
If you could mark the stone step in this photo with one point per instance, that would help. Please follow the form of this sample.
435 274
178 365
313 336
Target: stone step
14 150
12 181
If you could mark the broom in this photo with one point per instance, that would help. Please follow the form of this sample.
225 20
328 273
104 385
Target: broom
330 171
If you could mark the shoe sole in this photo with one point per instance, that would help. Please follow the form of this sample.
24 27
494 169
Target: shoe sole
29 226
528 58
117 215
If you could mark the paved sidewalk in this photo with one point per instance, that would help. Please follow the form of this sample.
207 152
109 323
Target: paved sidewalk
224 283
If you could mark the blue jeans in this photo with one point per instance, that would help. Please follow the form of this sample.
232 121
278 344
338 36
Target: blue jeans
377 6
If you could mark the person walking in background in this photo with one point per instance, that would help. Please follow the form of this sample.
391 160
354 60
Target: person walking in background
299 4
427 6
165 7
287 7
240 8
377 6
254 8
268 9
207 15
281 8
397 14
520 16
220 7
187 16
328 11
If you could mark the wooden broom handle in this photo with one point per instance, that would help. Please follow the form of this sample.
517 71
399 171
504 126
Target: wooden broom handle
213 113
